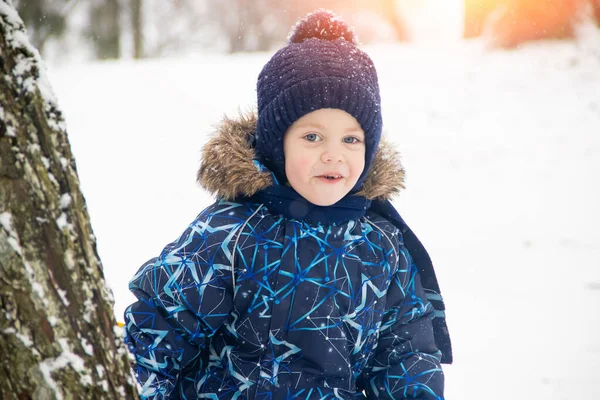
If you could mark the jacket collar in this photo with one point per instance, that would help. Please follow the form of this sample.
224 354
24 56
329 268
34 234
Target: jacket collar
229 168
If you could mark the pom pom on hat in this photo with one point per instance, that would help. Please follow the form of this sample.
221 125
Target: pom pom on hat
321 24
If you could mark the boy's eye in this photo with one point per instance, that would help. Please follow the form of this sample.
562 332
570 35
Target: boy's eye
351 140
311 137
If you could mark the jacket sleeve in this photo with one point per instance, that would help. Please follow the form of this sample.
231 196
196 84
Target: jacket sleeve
406 363
184 296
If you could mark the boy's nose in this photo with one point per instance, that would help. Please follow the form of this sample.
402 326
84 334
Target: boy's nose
331 156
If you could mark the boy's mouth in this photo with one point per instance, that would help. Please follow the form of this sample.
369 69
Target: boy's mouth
330 178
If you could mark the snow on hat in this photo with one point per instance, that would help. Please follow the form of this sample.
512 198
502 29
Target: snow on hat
320 67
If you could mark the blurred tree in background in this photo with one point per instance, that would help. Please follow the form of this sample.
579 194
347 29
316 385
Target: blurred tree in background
105 28
250 25
476 12
109 29
508 23
254 25
137 28
44 19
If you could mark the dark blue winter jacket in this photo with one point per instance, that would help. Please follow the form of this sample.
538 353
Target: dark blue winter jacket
265 296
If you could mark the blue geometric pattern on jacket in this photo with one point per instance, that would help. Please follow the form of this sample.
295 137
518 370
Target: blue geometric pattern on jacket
317 311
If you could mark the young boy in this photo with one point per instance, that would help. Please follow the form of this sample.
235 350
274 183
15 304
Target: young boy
301 281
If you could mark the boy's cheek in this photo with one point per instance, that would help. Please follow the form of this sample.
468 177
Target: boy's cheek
301 163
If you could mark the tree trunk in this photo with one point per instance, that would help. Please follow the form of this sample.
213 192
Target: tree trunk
58 336
137 26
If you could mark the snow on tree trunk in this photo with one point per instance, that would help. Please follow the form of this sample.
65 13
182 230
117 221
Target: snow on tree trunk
58 337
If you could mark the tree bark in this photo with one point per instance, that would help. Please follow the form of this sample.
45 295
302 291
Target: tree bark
58 335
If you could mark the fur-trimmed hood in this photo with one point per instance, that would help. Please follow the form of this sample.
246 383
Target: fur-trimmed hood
227 169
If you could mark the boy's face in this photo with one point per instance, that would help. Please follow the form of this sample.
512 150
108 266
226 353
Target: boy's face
326 142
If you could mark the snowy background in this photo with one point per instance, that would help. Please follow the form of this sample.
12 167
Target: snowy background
502 152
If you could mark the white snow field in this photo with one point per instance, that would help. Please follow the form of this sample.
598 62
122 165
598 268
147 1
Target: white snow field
502 152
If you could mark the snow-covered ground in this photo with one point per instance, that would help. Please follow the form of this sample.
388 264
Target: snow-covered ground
502 151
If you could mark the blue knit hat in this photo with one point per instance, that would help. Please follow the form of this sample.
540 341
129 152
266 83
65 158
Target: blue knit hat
320 67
